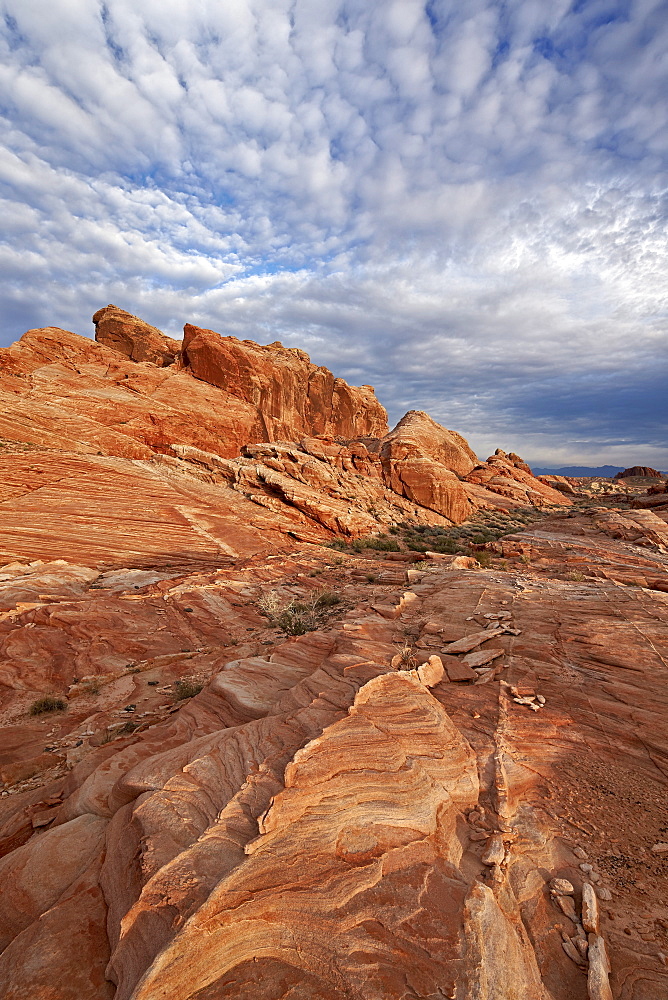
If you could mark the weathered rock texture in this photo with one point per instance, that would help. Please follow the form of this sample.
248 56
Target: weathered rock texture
134 338
229 419
284 773
328 817
288 395
643 471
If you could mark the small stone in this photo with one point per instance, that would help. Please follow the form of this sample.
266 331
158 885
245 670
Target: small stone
572 952
567 906
540 698
562 887
603 893
495 851
586 869
590 920
580 852
660 848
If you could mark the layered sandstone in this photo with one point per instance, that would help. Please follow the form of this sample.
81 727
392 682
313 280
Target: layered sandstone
333 815
290 396
132 337
227 415
641 471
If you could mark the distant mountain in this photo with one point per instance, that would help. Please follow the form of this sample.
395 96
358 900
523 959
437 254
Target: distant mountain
605 471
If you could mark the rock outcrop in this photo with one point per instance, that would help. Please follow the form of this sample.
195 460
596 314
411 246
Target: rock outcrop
261 422
234 762
133 338
641 471
509 476
289 395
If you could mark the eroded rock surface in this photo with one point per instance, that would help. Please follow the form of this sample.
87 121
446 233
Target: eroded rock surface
318 821
273 771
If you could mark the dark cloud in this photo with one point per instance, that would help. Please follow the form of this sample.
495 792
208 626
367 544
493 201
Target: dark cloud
462 204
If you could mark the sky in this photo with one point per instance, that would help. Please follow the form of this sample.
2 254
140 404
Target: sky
462 204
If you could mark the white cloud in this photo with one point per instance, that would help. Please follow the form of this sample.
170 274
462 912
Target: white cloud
461 203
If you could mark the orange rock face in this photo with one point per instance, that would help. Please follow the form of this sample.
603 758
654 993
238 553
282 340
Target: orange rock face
332 815
290 396
234 762
134 338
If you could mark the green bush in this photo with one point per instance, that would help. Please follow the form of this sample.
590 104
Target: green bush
48 704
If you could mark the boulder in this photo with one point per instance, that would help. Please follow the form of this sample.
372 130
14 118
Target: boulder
417 434
132 337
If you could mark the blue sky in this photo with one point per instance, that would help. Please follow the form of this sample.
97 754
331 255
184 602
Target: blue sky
463 204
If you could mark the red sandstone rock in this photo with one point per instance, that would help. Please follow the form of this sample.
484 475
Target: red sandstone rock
132 337
319 751
314 822
291 396
417 435
420 459
642 471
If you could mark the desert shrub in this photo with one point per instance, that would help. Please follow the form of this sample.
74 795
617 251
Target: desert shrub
297 617
371 578
185 688
407 657
381 543
576 576
326 599
525 558
485 559
91 686
445 545
416 546
48 703
338 544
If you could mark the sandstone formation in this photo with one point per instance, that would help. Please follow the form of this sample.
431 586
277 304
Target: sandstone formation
235 762
288 395
327 818
134 338
643 471
252 424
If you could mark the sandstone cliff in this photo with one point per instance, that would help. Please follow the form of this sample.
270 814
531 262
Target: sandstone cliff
260 422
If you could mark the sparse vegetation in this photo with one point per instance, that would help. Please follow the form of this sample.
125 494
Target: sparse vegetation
408 659
485 559
576 576
484 527
91 686
185 688
48 703
297 617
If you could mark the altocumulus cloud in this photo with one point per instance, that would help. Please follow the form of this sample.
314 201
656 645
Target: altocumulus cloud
463 204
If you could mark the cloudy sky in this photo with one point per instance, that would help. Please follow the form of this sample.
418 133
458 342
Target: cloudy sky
463 204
